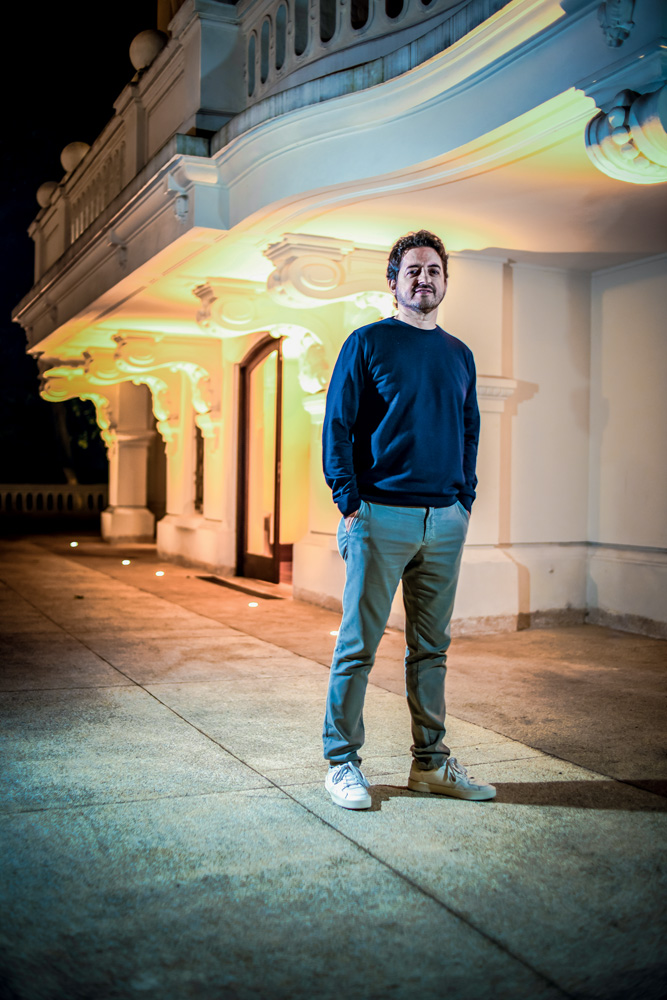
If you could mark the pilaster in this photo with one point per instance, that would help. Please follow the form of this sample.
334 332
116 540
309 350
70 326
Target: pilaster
127 518
318 571
493 392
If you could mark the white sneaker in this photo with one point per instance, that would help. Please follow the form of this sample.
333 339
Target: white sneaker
347 786
449 779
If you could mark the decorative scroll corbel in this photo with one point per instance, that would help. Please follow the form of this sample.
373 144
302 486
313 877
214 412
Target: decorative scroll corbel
103 369
303 346
629 140
303 274
207 297
70 382
314 270
165 394
180 196
615 17
120 246
157 362
380 302
230 309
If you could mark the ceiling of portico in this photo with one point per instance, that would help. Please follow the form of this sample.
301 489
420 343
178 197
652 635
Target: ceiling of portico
552 207
551 202
538 205
546 204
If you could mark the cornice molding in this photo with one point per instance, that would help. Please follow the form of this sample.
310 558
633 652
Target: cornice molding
493 391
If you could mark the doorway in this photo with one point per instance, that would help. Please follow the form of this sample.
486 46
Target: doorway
260 554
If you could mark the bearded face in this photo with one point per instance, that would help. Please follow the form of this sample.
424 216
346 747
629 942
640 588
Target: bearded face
420 285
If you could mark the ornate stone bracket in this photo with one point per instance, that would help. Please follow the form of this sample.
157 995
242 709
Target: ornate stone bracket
302 345
234 309
313 270
120 246
182 180
152 360
207 298
180 198
231 309
156 363
615 17
102 369
629 140
380 302
65 382
165 396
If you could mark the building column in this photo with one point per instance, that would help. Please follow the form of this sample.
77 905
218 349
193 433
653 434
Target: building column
318 570
127 518
488 525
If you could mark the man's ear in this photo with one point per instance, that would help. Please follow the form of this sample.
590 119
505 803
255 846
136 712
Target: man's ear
392 284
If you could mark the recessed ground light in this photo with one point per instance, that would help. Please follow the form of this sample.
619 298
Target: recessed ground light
253 604
125 562
73 545
159 572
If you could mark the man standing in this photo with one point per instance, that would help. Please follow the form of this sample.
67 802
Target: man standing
400 447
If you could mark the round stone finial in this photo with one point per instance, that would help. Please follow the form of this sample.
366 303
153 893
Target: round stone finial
145 47
73 154
45 193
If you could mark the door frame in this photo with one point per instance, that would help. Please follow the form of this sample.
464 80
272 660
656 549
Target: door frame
254 566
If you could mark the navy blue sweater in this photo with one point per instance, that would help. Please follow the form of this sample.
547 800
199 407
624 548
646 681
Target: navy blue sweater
402 422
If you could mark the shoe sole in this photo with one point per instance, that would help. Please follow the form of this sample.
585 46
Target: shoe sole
347 804
469 794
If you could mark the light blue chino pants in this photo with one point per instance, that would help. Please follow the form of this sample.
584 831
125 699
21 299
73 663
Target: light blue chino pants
421 546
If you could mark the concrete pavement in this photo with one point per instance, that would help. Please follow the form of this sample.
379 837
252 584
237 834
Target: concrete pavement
167 835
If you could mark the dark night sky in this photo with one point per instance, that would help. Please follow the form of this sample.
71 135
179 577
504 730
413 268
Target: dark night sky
67 70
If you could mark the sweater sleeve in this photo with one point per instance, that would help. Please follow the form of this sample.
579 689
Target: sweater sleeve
470 439
347 383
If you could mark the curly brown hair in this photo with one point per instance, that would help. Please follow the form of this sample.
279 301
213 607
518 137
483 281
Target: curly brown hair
419 239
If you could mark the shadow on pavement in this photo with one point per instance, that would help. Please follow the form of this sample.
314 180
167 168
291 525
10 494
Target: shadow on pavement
566 794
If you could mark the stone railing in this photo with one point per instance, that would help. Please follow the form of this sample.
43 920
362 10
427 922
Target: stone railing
92 191
53 500
86 190
256 60
283 40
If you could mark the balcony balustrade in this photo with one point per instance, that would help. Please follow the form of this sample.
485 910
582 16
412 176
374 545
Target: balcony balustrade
45 501
267 57
90 195
82 196
285 38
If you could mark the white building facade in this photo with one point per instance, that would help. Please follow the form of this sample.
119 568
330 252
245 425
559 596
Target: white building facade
198 268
